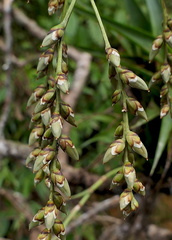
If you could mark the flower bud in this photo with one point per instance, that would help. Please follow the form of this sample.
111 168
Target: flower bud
56 123
47 134
116 96
168 36
50 214
62 83
39 107
119 131
136 144
53 36
118 178
163 91
38 219
134 204
45 59
138 187
46 115
125 198
59 202
129 174
155 78
114 149
32 156
57 177
155 47
45 235
47 97
36 133
113 56
136 108
65 189
67 146
39 177
130 78
169 23
54 5
67 113
164 110
48 182
58 228
34 120
64 67
165 72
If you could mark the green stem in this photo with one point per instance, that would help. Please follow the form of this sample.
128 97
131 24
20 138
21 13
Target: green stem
106 40
165 18
68 13
59 58
87 193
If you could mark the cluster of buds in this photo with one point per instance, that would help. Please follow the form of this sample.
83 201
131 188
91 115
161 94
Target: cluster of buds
49 114
164 74
126 142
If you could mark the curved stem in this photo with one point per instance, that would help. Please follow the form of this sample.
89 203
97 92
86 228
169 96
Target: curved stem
106 40
68 13
87 193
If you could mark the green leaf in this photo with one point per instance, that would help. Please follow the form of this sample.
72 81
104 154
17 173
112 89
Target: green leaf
138 36
136 16
165 130
155 13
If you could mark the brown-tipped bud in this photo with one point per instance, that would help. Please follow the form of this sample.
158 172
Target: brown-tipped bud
113 56
46 115
53 36
64 50
169 23
129 174
39 107
67 145
47 134
45 235
125 198
40 91
131 157
38 219
165 72
130 78
65 189
163 91
50 214
62 82
45 59
155 47
58 228
57 177
134 204
47 97
64 67
119 131
36 133
54 5
114 149
133 139
59 202
51 82
67 113
136 108
39 177
164 110
118 178
136 144
35 119
155 78
168 36
139 188
32 156
56 123
116 96
48 182
44 158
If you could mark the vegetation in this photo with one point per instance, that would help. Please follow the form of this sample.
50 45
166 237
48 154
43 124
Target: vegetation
117 65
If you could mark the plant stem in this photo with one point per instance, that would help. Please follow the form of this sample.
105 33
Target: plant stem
59 58
87 193
68 13
165 18
107 44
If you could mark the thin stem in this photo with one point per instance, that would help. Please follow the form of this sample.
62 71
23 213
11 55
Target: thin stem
165 18
106 40
87 193
68 13
59 58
